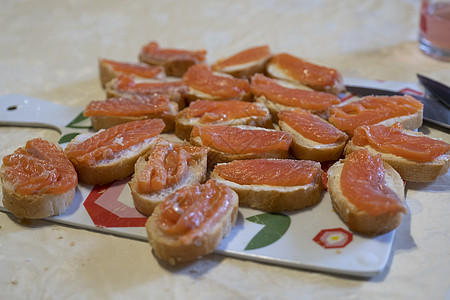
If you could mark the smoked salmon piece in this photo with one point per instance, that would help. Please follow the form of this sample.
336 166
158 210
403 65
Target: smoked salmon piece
225 112
274 172
312 127
396 141
288 67
244 63
241 139
376 109
192 221
363 182
39 168
194 209
110 69
279 97
128 86
203 83
208 111
108 144
117 110
167 165
174 61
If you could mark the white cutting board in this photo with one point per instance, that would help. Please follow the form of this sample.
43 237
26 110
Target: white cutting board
313 238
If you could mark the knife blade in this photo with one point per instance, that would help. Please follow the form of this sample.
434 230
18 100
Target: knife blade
436 89
433 110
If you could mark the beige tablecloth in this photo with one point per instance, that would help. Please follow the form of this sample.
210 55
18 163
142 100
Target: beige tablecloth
49 50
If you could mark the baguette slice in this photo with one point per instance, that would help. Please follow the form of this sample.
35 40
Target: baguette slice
291 68
244 63
109 155
242 176
110 69
409 170
114 111
131 86
304 147
227 112
203 229
371 110
360 220
228 143
203 83
279 95
48 191
146 201
175 61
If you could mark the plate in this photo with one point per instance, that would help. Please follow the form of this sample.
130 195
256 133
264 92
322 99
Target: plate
313 238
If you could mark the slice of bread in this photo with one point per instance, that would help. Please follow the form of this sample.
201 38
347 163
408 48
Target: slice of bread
202 238
333 84
275 198
38 180
175 61
304 148
146 202
216 156
358 220
106 121
408 169
109 70
184 124
245 63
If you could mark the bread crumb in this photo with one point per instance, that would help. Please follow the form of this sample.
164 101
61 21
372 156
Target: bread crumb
72 243
46 269
0 226
338 251
60 237
14 282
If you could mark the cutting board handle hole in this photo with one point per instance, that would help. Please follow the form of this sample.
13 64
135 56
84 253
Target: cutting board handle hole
12 107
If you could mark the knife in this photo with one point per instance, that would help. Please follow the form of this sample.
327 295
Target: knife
433 110
436 89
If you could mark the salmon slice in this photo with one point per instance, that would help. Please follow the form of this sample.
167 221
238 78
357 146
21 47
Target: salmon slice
363 182
39 168
274 172
272 90
209 111
193 210
320 78
127 84
372 110
396 141
153 52
244 63
237 140
167 165
107 144
312 127
201 79
127 106
141 70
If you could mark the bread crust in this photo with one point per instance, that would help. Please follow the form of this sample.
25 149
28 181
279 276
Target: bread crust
303 148
409 170
276 198
174 251
147 202
360 221
36 206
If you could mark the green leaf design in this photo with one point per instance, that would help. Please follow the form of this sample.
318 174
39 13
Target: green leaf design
78 119
275 227
67 137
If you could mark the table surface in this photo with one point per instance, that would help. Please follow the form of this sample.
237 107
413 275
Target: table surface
49 50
